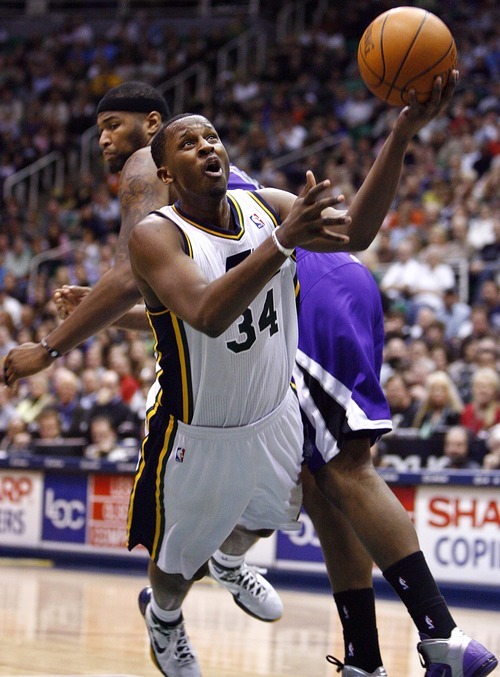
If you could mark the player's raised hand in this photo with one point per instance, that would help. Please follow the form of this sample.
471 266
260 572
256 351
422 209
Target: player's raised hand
415 116
313 215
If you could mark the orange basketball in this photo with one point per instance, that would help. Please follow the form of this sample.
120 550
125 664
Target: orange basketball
402 49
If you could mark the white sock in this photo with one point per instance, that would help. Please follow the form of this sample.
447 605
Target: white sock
163 615
228 561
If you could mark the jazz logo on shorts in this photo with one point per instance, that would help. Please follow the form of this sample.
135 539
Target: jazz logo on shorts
179 454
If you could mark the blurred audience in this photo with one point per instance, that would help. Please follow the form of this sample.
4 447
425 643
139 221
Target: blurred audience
456 450
483 411
491 460
401 403
435 259
105 443
441 405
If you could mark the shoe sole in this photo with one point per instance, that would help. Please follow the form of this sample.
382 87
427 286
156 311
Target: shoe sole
483 670
488 668
253 615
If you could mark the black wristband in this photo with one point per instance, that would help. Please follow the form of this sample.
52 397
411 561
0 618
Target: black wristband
51 351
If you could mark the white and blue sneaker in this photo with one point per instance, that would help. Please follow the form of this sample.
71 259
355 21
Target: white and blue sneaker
171 649
458 656
250 590
351 671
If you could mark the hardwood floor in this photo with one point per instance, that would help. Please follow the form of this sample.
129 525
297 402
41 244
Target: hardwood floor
67 622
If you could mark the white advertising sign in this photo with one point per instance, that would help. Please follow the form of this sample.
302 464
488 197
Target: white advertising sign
20 507
459 531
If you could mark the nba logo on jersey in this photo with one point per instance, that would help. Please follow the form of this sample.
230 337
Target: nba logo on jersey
255 218
179 454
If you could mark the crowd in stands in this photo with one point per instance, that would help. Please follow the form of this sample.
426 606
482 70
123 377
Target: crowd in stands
435 259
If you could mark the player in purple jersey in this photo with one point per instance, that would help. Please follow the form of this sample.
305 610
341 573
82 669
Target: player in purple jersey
341 337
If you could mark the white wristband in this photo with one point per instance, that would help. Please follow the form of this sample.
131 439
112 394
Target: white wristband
279 246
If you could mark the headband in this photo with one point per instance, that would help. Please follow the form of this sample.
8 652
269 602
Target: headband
132 104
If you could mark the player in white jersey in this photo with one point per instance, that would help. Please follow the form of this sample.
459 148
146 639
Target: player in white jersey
228 416
224 444
191 158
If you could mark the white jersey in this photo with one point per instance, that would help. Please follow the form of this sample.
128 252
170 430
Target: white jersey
243 375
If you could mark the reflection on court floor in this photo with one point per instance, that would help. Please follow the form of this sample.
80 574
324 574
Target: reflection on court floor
63 623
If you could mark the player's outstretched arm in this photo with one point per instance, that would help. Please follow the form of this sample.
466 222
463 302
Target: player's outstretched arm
140 192
374 199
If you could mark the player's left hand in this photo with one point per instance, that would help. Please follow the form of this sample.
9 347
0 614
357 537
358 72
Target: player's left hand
67 298
415 116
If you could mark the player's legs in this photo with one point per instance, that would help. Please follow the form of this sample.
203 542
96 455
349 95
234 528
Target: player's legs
352 483
161 607
349 568
250 590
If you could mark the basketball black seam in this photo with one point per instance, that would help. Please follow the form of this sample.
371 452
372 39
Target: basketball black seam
430 67
392 86
382 48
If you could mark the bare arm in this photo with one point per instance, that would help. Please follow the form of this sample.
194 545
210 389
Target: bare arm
68 297
167 276
375 197
140 192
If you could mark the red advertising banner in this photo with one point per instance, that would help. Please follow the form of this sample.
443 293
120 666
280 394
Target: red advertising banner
108 500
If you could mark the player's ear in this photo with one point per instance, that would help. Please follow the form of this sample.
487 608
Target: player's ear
153 122
164 175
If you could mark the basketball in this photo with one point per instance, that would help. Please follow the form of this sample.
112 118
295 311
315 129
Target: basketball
402 49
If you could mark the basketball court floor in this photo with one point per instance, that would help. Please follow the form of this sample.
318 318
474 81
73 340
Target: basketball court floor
57 621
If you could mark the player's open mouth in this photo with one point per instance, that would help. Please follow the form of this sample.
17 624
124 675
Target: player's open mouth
213 167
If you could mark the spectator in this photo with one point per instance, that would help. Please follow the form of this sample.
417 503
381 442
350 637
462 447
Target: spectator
91 380
440 355
440 407
489 297
487 353
105 444
10 305
461 369
456 450
7 409
491 461
36 398
417 374
401 403
478 325
120 362
48 425
109 403
395 358
483 412
435 277
453 314
401 277
17 438
6 340
18 258
66 386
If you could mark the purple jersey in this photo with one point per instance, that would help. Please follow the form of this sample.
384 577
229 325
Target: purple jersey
341 338
240 179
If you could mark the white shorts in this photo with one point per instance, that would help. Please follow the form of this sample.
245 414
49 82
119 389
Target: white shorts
208 480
